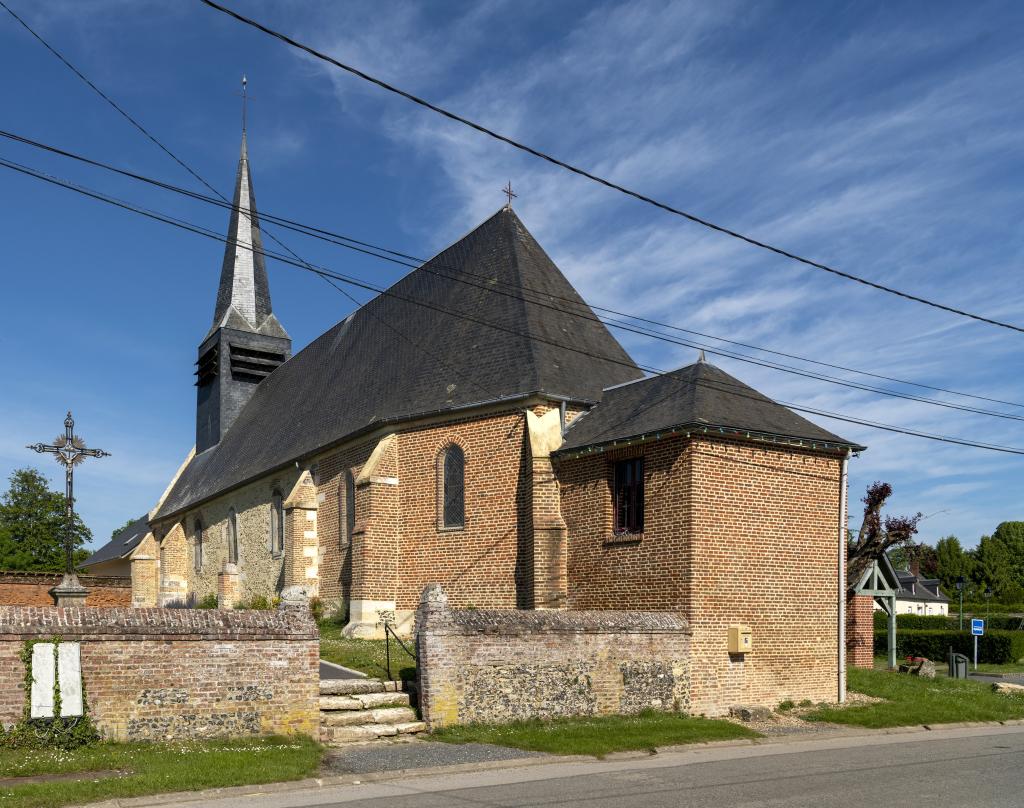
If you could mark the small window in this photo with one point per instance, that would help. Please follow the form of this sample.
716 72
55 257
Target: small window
629 496
276 523
453 496
197 559
347 509
232 537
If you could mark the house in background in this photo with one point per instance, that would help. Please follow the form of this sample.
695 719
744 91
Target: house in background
919 595
112 559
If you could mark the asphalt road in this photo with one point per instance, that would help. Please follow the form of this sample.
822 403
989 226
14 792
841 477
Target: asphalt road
980 767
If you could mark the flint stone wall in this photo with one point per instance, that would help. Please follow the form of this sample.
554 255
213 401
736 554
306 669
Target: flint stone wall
155 674
501 665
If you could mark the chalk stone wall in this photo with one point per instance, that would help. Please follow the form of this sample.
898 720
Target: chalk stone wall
33 589
154 674
500 665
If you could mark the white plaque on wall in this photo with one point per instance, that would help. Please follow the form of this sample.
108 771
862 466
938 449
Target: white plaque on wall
69 671
42 680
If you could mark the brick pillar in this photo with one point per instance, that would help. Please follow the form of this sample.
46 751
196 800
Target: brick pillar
229 586
302 544
550 534
173 567
438 707
375 543
145 573
860 631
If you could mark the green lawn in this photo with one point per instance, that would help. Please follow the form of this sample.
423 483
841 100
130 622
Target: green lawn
911 700
882 663
597 736
367 656
153 768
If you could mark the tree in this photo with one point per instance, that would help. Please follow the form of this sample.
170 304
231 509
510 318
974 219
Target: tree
876 537
953 561
32 526
993 565
1011 536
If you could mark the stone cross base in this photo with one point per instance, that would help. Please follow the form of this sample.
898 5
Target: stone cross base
69 592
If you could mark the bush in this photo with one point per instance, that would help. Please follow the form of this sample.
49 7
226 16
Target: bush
258 602
951 623
316 608
207 602
997 647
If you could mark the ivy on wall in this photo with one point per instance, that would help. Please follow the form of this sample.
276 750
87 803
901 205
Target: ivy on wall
59 732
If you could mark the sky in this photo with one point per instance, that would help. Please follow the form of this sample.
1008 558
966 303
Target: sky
882 138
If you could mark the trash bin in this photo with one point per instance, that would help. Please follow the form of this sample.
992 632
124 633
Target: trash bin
957 666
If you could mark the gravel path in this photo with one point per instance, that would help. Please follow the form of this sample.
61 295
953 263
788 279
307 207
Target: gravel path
388 757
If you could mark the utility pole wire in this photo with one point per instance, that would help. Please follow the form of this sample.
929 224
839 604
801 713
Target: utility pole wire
600 180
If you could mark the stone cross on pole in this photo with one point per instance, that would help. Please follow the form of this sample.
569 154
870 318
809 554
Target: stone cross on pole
69 450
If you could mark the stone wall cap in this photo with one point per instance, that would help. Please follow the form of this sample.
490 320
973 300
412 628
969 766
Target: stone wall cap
122 621
516 621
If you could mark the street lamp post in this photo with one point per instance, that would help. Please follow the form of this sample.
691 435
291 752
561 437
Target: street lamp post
960 589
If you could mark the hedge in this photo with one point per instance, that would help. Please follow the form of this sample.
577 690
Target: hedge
939 622
996 646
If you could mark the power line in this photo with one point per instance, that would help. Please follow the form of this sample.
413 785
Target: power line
600 180
461 315
151 137
583 312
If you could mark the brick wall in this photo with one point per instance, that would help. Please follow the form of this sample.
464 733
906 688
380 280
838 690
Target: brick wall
177 673
860 631
498 665
735 533
33 589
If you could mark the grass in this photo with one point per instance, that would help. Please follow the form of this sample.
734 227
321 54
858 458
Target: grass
153 768
911 700
366 656
597 736
882 663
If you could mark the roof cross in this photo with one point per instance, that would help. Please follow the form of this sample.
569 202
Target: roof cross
69 451
507 190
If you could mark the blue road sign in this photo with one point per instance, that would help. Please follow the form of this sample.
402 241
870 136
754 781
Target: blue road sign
977 627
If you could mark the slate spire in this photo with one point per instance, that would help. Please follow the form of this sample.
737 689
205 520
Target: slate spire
243 297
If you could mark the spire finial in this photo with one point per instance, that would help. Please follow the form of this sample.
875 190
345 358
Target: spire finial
507 190
245 100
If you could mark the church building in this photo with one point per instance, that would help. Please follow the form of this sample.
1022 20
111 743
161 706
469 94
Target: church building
476 425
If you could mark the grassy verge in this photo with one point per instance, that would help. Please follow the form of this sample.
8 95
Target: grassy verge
153 768
366 656
597 736
911 700
882 663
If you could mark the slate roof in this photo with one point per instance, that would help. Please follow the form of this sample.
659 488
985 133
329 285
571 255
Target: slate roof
694 396
458 344
914 587
121 543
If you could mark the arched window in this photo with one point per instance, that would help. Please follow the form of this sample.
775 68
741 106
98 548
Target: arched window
453 489
232 537
276 523
197 558
347 508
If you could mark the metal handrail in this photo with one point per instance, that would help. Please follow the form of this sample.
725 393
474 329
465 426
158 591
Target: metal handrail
388 634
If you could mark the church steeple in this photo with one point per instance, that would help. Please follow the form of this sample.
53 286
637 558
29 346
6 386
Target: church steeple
246 342
243 298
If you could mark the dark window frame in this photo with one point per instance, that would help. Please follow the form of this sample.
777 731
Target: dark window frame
197 554
276 524
628 496
452 474
233 554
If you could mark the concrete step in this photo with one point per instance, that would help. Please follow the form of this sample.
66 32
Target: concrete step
364 733
386 715
364 701
347 687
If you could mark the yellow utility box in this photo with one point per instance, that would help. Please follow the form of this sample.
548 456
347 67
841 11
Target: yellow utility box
740 640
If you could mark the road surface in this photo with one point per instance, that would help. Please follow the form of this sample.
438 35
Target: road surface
976 767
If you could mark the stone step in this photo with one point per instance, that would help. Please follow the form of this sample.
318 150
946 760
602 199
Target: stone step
364 701
347 687
386 715
363 733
